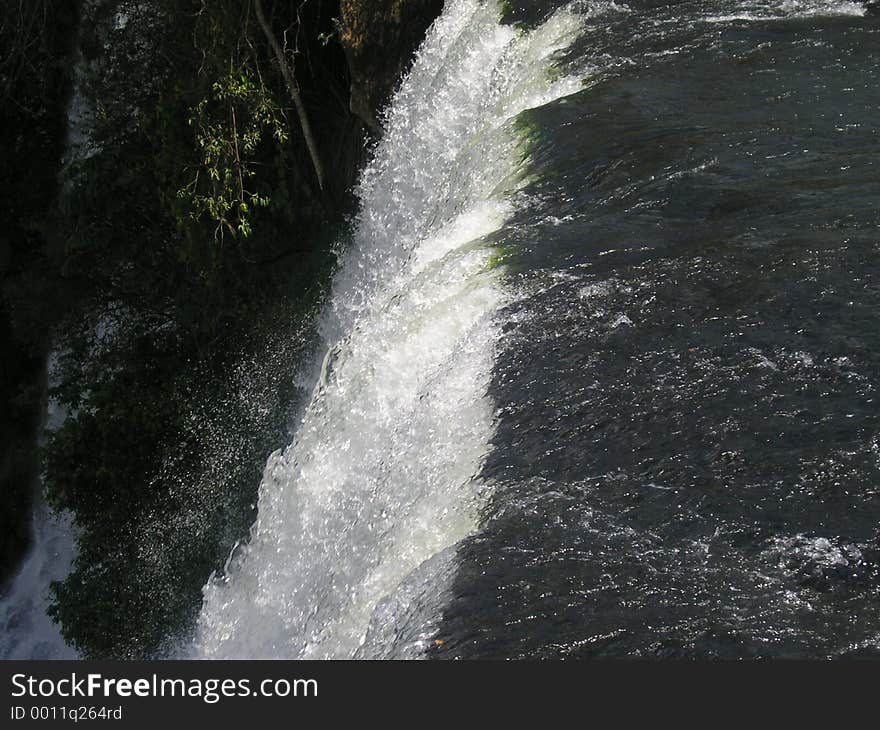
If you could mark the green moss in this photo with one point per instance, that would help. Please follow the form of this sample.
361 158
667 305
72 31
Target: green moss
500 256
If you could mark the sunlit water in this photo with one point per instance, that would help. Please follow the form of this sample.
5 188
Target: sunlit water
382 474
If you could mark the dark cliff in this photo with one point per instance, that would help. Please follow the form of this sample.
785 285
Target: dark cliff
35 49
131 236
379 38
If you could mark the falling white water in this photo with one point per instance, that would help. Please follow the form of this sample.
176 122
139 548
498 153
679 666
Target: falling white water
381 474
26 630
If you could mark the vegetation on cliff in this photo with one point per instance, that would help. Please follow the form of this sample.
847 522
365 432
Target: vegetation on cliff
185 255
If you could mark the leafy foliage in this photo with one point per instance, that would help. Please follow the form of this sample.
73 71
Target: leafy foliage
192 254
229 127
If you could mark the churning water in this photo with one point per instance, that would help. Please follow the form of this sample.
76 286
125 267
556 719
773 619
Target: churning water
382 474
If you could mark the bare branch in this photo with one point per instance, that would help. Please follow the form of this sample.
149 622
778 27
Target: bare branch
290 80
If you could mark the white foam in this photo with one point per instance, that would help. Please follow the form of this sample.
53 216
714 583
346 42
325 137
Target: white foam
785 9
27 631
381 475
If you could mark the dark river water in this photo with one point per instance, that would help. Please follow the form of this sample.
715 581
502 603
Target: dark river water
687 452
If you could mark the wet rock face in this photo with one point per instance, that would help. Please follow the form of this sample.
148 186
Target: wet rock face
379 38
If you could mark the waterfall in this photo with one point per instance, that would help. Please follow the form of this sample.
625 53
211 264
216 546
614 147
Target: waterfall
27 631
381 475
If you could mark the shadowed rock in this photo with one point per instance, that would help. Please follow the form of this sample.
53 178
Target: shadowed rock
379 38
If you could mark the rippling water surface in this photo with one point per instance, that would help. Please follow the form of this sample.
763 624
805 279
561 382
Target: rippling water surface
686 459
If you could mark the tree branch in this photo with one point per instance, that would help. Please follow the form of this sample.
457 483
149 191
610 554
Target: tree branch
292 87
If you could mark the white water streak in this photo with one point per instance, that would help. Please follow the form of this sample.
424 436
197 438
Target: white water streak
26 630
764 10
381 474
